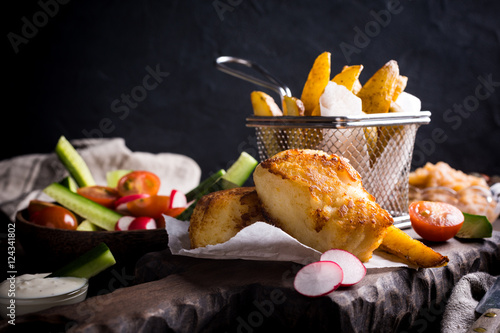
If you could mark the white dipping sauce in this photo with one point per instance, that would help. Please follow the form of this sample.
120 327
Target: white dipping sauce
37 286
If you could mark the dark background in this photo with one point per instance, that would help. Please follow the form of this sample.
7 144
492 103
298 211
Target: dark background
83 55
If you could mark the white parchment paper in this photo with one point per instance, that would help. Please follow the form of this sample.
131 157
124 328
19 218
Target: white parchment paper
259 241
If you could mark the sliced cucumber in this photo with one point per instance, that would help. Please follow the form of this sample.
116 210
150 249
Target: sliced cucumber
97 214
89 264
112 177
86 225
240 170
475 226
69 183
204 186
74 163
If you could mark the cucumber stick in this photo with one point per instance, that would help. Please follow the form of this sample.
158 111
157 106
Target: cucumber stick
87 226
235 176
97 214
74 163
240 170
112 177
89 264
70 183
204 186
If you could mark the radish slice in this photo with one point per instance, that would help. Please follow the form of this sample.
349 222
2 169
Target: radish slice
177 199
142 223
124 223
353 268
121 203
318 278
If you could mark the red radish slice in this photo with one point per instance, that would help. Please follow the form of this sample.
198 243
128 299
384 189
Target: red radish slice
177 199
121 203
124 223
142 223
353 268
318 278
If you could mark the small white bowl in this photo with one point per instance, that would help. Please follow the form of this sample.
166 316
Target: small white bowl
13 306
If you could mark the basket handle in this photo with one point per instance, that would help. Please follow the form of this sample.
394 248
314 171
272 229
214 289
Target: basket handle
273 83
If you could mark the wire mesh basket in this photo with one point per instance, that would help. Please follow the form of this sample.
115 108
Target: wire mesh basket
378 146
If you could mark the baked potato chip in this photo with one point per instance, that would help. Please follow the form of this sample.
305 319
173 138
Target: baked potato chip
349 76
318 78
410 250
377 93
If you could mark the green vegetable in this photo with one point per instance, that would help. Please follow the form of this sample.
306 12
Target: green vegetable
475 226
236 176
89 264
87 226
204 186
112 177
74 163
240 170
97 214
69 183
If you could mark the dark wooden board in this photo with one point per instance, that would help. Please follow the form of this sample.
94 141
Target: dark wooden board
183 294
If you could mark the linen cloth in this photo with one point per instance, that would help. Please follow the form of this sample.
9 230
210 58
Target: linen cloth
460 312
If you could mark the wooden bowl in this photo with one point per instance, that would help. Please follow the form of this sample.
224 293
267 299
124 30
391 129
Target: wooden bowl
51 248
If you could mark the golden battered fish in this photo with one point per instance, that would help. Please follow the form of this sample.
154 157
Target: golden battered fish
319 199
219 216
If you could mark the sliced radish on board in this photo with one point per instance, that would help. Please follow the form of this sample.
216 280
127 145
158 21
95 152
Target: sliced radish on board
142 223
353 268
318 278
121 203
124 222
177 199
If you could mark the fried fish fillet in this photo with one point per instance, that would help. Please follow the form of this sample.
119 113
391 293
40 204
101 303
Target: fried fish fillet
219 216
319 199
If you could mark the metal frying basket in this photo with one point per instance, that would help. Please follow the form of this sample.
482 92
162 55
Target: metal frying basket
378 146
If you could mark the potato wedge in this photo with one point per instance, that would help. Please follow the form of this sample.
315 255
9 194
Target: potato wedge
349 76
318 78
356 87
412 251
401 82
264 105
377 93
292 106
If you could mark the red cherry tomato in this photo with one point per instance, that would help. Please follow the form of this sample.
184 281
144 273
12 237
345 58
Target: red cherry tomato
153 206
102 195
138 182
174 212
435 221
35 206
56 217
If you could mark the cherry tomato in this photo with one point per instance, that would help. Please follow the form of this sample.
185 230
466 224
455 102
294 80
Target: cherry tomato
174 212
138 182
153 206
35 206
102 195
435 221
56 217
